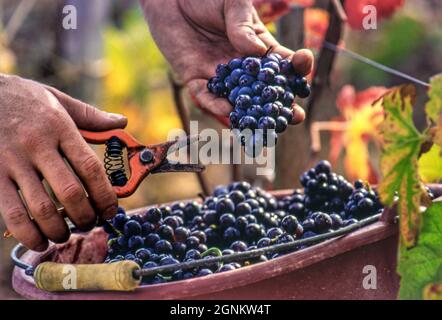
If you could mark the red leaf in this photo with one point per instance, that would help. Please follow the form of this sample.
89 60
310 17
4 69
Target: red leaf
316 22
271 10
355 10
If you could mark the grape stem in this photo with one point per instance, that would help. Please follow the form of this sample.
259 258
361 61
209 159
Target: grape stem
269 50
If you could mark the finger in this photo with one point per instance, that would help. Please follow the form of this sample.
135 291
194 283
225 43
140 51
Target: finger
92 174
298 115
42 209
86 116
208 101
240 27
67 189
17 219
302 62
302 59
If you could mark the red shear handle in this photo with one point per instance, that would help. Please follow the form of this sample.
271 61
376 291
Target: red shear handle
101 137
138 170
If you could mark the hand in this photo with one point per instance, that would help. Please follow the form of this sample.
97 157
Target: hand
38 129
195 36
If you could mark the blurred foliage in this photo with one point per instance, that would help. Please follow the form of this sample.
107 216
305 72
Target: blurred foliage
136 80
400 38
430 165
136 85
7 58
362 113
316 23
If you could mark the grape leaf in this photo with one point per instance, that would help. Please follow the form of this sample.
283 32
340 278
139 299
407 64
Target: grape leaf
421 265
430 165
433 107
399 165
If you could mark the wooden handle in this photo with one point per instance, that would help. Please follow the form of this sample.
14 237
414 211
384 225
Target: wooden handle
118 276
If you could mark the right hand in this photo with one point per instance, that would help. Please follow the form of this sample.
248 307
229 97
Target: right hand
39 127
196 35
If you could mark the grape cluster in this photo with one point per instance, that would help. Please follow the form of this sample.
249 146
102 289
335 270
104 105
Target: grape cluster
329 201
363 201
325 190
237 218
262 92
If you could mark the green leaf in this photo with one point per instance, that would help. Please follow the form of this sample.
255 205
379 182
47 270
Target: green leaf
433 107
421 265
401 147
430 165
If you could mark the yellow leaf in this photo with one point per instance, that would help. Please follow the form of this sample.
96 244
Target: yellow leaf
430 165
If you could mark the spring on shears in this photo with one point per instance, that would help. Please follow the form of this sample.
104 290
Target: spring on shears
114 163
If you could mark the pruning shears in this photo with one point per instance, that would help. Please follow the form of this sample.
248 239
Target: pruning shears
142 159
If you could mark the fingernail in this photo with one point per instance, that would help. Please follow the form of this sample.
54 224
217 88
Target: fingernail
116 116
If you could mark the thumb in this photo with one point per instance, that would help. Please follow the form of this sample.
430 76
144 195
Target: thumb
86 116
240 27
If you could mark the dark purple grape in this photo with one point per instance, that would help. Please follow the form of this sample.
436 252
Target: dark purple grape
153 215
271 110
181 234
231 234
269 94
266 75
239 246
227 220
222 70
251 65
236 196
151 240
266 122
192 242
246 80
257 87
132 228
281 124
243 102
235 63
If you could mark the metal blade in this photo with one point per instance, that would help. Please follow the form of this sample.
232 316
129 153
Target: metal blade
183 142
167 166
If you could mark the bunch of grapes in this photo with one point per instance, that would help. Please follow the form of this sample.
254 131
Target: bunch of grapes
237 218
325 190
363 202
262 92
323 204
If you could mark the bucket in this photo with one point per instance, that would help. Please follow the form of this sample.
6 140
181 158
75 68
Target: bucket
334 269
